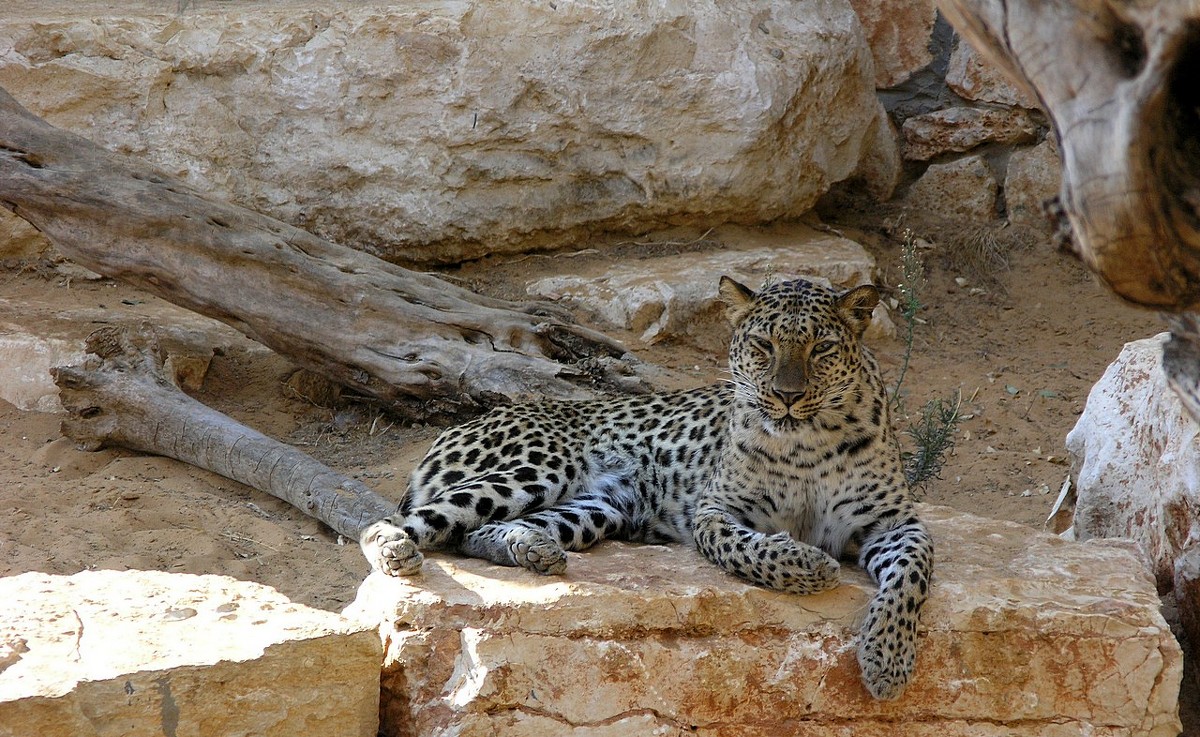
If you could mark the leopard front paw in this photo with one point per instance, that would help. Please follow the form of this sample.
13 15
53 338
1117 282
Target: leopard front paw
537 552
798 568
389 549
887 659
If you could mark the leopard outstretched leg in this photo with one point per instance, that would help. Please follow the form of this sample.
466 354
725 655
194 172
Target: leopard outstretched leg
773 561
900 559
539 541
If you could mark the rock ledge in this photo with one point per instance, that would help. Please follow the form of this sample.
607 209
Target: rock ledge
1025 634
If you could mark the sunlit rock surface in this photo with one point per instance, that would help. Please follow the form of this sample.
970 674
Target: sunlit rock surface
146 653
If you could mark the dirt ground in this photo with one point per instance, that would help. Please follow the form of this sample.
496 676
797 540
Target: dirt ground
1022 351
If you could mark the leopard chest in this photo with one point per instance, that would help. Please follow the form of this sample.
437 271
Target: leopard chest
810 483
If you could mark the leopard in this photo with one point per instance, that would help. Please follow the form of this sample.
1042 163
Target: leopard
774 475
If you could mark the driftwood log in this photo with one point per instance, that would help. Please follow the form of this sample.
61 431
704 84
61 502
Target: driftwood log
1118 80
420 344
120 396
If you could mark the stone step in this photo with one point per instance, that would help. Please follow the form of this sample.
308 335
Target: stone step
1025 634
135 653
674 297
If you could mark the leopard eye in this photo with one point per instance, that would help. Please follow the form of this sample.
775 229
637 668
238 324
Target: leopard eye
825 346
762 345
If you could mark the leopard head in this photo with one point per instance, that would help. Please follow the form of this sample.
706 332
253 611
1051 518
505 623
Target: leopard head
796 351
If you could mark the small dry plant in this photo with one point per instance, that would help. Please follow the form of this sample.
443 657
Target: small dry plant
931 433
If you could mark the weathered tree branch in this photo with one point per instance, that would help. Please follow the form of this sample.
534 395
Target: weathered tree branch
120 396
418 343
1118 80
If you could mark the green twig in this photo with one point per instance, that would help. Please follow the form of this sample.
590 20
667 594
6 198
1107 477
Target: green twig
933 438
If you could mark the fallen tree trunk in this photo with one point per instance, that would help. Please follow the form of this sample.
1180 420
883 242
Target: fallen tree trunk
419 344
1118 80
120 396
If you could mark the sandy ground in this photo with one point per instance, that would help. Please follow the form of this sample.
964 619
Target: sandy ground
1022 351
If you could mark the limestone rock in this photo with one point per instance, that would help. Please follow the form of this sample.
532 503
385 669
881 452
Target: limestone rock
675 297
443 131
964 188
1034 175
37 334
1135 455
972 77
899 34
960 129
881 166
1024 634
25 380
136 653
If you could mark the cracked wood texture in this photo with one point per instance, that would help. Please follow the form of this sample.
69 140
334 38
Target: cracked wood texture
120 396
419 344
1117 79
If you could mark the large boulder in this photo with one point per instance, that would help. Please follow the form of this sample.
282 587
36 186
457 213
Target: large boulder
442 131
1024 634
145 653
1135 454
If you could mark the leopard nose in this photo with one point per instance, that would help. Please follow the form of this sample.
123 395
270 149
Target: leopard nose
788 398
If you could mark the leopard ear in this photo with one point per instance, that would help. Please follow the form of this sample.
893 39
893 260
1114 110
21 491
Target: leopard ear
737 298
856 306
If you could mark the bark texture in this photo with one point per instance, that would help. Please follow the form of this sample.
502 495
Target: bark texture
1118 81
120 396
420 344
